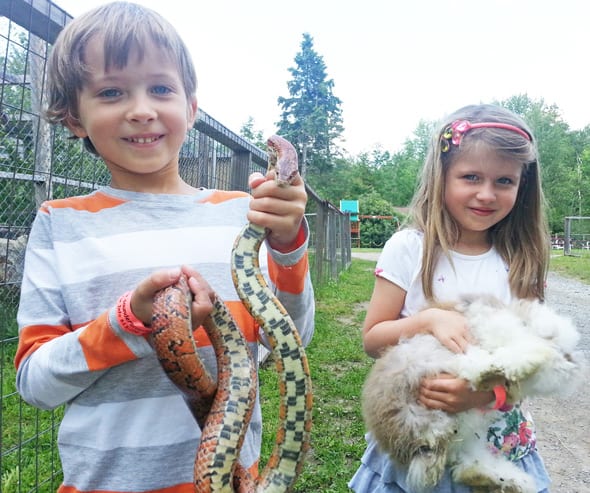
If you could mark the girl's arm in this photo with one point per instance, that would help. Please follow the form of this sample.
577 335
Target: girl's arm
452 395
383 326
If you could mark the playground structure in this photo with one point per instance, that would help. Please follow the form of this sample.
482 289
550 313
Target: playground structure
351 207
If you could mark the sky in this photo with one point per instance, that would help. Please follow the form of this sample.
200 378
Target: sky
393 62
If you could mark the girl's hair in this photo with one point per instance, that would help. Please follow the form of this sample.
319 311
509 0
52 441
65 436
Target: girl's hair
522 237
121 26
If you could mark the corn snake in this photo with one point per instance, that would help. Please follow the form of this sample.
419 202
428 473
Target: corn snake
223 408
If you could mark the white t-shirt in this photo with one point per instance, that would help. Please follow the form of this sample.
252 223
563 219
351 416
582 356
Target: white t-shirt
401 261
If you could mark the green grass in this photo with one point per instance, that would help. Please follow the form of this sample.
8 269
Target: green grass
30 460
338 368
575 266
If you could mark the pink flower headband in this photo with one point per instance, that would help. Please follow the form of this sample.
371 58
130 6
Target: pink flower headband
454 133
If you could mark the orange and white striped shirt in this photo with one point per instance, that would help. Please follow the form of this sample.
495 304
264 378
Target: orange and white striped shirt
126 428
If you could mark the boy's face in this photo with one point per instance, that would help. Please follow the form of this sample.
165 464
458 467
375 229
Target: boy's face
136 116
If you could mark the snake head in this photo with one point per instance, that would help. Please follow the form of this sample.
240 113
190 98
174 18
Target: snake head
282 157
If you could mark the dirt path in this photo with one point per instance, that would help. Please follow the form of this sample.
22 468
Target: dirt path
563 425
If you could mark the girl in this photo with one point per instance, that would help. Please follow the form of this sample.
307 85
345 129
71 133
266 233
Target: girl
477 226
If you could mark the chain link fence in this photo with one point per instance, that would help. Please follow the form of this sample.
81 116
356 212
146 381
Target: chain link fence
40 162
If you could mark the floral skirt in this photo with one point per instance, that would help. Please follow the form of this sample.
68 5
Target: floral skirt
378 474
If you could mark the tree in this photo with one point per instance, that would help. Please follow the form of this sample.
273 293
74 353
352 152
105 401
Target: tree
557 155
398 177
581 196
375 231
255 136
311 116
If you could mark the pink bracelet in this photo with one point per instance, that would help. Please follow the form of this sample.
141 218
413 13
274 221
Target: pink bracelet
127 319
500 393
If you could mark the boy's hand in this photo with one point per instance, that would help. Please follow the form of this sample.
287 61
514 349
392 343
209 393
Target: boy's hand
203 296
279 209
143 296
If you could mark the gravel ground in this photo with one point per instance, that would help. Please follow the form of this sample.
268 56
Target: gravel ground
563 425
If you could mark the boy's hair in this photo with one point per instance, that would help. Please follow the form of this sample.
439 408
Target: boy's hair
522 237
122 26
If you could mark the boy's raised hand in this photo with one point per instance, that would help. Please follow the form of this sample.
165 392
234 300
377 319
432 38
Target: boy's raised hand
280 209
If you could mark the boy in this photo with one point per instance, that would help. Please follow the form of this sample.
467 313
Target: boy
121 79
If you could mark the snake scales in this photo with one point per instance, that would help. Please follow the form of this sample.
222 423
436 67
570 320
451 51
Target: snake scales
223 408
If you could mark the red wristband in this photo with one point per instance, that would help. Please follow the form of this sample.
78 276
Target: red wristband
500 393
295 244
127 319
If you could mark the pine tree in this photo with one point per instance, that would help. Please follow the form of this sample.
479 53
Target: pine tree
311 117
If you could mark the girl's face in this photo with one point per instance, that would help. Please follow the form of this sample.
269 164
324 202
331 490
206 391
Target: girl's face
136 116
480 190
